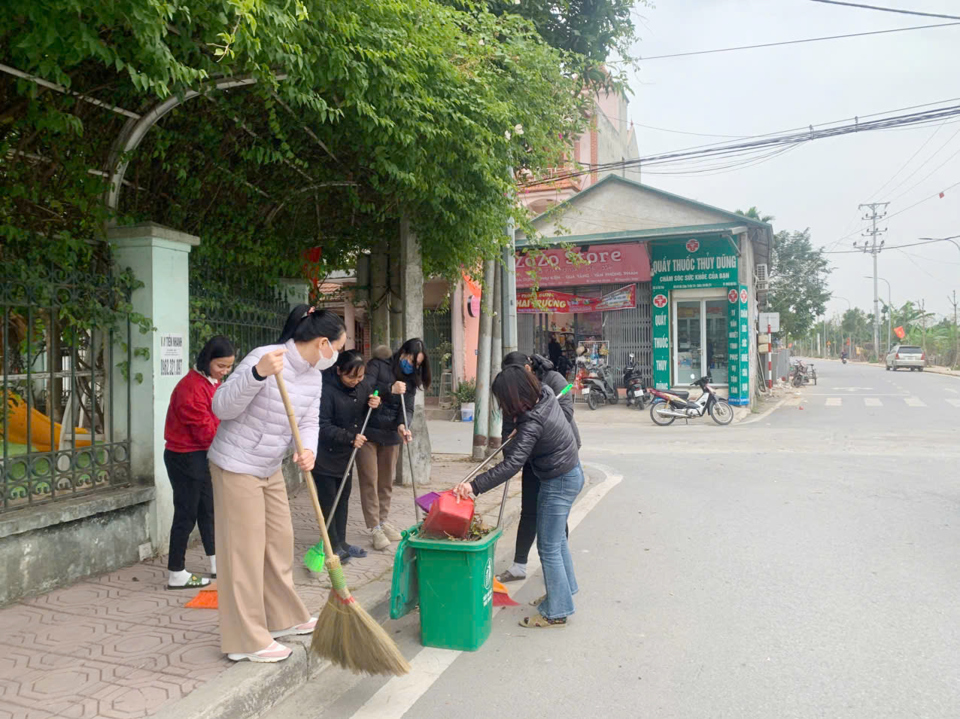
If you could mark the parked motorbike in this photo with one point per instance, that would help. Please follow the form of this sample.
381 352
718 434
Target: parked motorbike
801 374
668 406
599 386
636 391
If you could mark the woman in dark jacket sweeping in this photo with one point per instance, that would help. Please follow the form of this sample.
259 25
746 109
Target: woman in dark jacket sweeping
527 528
403 373
342 411
544 439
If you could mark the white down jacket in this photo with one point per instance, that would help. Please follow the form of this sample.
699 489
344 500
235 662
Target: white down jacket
254 433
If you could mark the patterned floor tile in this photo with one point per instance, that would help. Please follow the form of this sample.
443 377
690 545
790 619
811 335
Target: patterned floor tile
81 599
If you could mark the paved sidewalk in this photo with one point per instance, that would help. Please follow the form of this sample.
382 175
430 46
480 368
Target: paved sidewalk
122 645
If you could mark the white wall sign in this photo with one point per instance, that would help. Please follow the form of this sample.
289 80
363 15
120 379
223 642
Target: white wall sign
769 318
171 355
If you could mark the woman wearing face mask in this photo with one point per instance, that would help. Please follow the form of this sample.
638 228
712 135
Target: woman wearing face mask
190 427
403 373
257 601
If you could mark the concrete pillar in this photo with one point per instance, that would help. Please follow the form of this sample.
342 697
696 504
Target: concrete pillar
508 299
379 300
482 407
159 257
395 283
350 320
411 262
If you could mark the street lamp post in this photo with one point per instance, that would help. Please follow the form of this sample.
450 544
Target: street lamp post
889 307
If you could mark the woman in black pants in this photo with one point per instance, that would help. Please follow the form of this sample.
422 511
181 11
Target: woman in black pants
530 485
190 427
343 408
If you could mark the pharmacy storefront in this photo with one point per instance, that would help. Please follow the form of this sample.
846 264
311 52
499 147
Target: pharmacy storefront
700 315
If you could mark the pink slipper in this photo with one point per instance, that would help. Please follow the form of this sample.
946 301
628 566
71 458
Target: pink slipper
305 628
276 652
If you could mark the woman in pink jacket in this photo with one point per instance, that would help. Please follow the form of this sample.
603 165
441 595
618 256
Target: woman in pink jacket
257 600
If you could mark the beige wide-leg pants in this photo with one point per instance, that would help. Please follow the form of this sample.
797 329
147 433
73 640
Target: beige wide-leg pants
376 467
254 536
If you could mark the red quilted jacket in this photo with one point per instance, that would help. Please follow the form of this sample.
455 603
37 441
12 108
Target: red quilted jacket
191 424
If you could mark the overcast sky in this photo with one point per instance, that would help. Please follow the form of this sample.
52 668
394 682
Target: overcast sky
819 184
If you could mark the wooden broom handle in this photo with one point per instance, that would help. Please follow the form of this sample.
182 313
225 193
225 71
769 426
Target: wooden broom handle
298 445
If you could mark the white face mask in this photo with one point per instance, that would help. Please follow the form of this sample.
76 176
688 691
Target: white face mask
327 362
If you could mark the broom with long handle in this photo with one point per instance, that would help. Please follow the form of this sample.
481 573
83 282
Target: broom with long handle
413 477
345 633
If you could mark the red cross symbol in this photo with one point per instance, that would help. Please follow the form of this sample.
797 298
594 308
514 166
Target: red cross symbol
732 296
659 300
743 295
692 246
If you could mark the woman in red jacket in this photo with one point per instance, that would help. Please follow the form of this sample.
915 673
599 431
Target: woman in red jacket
190 428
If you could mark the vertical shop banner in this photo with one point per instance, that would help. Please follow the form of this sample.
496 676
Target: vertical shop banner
738 344
661 340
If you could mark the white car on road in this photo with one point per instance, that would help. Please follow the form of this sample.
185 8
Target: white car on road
906 356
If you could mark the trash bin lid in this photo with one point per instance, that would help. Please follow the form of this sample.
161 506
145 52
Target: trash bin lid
405 591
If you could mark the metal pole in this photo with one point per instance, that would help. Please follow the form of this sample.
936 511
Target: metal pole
482 408
494 424
508 292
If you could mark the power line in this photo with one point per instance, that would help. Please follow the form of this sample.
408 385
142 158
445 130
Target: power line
903 167
898 247
798 42
695 134
887 9
720 150
932 172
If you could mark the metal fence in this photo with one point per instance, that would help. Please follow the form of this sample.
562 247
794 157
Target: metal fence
249 318
62 388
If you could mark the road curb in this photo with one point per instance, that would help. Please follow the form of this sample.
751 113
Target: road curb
247 690
766 413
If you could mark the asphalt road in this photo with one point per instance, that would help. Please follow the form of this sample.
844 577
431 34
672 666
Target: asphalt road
802 565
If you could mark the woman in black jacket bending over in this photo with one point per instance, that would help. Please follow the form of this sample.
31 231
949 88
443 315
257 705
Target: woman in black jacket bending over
527 529
403 373
544 439
342 411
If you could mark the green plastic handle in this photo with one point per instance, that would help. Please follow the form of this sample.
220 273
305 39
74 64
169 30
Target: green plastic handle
565 390
376 392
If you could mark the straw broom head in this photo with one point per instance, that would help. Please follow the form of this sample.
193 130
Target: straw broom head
345 634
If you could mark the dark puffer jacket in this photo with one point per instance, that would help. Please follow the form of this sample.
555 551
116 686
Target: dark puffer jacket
557 382
342 412
384 422
544 439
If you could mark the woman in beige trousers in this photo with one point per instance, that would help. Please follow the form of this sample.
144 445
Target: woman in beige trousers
254 533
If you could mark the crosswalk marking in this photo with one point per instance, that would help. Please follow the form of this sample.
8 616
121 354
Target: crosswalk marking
914 402
872 402
834 401
954 402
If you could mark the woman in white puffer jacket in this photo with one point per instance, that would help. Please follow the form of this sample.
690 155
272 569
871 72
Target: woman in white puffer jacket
254 534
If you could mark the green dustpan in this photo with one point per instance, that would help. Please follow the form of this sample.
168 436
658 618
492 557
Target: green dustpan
315 558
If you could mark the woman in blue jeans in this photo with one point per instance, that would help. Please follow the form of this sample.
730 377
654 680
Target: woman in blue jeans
543 438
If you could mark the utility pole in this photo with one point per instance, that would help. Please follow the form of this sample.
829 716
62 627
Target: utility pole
956 335
874 249
495 423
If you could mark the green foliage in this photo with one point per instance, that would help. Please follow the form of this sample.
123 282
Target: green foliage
798 282
466 392
363 111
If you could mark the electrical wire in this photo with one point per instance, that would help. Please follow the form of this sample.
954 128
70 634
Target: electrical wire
898 247
717 150
904 165
932 172
798 42
887 9
695 134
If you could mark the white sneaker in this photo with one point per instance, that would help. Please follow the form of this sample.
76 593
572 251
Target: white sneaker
392 534
380 541
276 652
305 628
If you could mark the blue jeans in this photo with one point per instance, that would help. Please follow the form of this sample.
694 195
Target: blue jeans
553 507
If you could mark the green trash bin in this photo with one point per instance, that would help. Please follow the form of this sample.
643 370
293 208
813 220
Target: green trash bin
453 583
